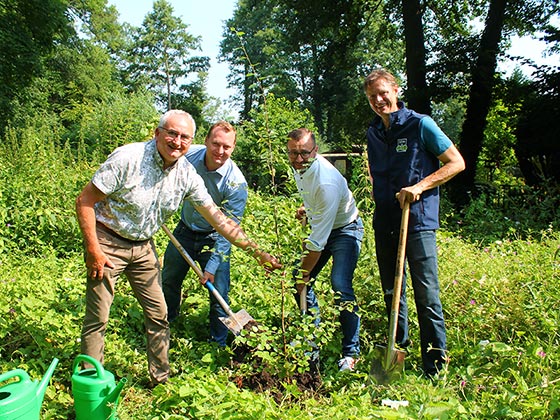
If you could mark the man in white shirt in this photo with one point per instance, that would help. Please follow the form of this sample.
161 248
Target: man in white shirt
336 231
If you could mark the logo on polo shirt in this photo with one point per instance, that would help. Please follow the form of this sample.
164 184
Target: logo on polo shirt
402 146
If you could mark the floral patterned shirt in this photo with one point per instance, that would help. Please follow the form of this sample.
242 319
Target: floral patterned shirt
141 195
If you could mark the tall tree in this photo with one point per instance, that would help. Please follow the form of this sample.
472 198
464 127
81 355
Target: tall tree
254 47
480 96
418 94
311 51
160 54
29 32
537 132
504 18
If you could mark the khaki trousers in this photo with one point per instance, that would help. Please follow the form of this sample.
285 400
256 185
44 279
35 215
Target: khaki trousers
139 263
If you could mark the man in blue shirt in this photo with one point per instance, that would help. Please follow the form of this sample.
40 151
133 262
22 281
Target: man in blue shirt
228 188
409 155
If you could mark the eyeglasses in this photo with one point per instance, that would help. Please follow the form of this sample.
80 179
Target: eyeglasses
172 134
303 153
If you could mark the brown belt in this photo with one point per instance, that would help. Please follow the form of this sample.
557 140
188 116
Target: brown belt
115 234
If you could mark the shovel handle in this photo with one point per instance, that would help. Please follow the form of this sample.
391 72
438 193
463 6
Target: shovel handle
401 253
197 270
303 293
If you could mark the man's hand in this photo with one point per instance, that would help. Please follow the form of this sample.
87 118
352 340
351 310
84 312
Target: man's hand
267 261
300 213
301 282
410 194
207 277
95 263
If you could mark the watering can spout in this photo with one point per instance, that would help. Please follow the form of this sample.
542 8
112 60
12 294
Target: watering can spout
116 392
42 387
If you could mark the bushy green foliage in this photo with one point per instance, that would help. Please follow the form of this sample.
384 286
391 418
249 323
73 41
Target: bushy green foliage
98 128
499 264
499 298
504 212
261 144
37 195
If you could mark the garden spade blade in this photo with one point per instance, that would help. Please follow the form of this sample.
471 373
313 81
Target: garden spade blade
237 321
233 321
388 363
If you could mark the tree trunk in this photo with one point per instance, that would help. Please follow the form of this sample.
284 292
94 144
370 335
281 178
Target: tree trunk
472 133
417 92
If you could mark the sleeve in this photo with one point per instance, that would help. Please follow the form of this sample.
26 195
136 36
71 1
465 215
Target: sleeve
322 216
233 207
433 138
109 177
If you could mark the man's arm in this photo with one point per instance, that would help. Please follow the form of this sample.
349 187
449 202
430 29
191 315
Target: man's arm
96 259
237 236
453 163
233 206
308 261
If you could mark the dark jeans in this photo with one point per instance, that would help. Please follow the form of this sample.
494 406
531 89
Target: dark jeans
199 246
343 246
421 255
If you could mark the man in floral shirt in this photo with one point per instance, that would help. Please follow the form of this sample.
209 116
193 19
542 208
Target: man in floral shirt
128 199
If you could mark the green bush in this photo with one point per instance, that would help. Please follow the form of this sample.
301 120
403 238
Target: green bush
261 145
37 196
100 127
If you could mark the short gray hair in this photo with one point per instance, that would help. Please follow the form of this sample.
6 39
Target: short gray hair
171 112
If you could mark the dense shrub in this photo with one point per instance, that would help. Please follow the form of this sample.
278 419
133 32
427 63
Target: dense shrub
261 145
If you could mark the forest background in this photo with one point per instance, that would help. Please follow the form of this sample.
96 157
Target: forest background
76 83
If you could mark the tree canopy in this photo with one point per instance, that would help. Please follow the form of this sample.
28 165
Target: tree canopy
62 60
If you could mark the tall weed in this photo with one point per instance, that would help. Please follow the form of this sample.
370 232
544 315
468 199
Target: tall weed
37 196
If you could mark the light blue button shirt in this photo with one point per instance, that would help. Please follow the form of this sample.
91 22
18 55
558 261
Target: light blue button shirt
228 188
141 195
329 203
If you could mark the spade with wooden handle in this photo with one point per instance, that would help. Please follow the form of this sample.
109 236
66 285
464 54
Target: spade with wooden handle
389 362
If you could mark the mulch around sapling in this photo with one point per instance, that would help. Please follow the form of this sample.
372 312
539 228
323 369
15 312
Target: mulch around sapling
261 379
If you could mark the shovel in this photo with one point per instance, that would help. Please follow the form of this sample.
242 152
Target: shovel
389 362
234 321
303 293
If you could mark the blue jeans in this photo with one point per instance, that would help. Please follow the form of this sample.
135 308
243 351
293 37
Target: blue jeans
343 246
199 246
421 256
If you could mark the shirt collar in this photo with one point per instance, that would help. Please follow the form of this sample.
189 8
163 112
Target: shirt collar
309 170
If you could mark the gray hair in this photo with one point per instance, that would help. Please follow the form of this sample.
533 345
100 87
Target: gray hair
171 112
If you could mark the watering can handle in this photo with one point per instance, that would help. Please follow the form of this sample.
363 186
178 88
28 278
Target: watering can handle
90 360
20 373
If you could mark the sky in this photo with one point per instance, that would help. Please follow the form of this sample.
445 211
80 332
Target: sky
205 18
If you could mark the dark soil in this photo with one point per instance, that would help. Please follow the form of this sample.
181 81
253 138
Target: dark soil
262 380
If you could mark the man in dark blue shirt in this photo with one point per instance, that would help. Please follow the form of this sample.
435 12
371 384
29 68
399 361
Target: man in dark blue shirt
409 157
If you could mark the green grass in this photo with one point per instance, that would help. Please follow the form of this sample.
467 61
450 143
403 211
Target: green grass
499 271
500 303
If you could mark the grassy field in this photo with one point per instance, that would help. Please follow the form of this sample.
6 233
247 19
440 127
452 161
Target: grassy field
500 300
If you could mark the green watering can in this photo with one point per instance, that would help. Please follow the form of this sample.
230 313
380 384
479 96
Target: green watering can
96 395
22 399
